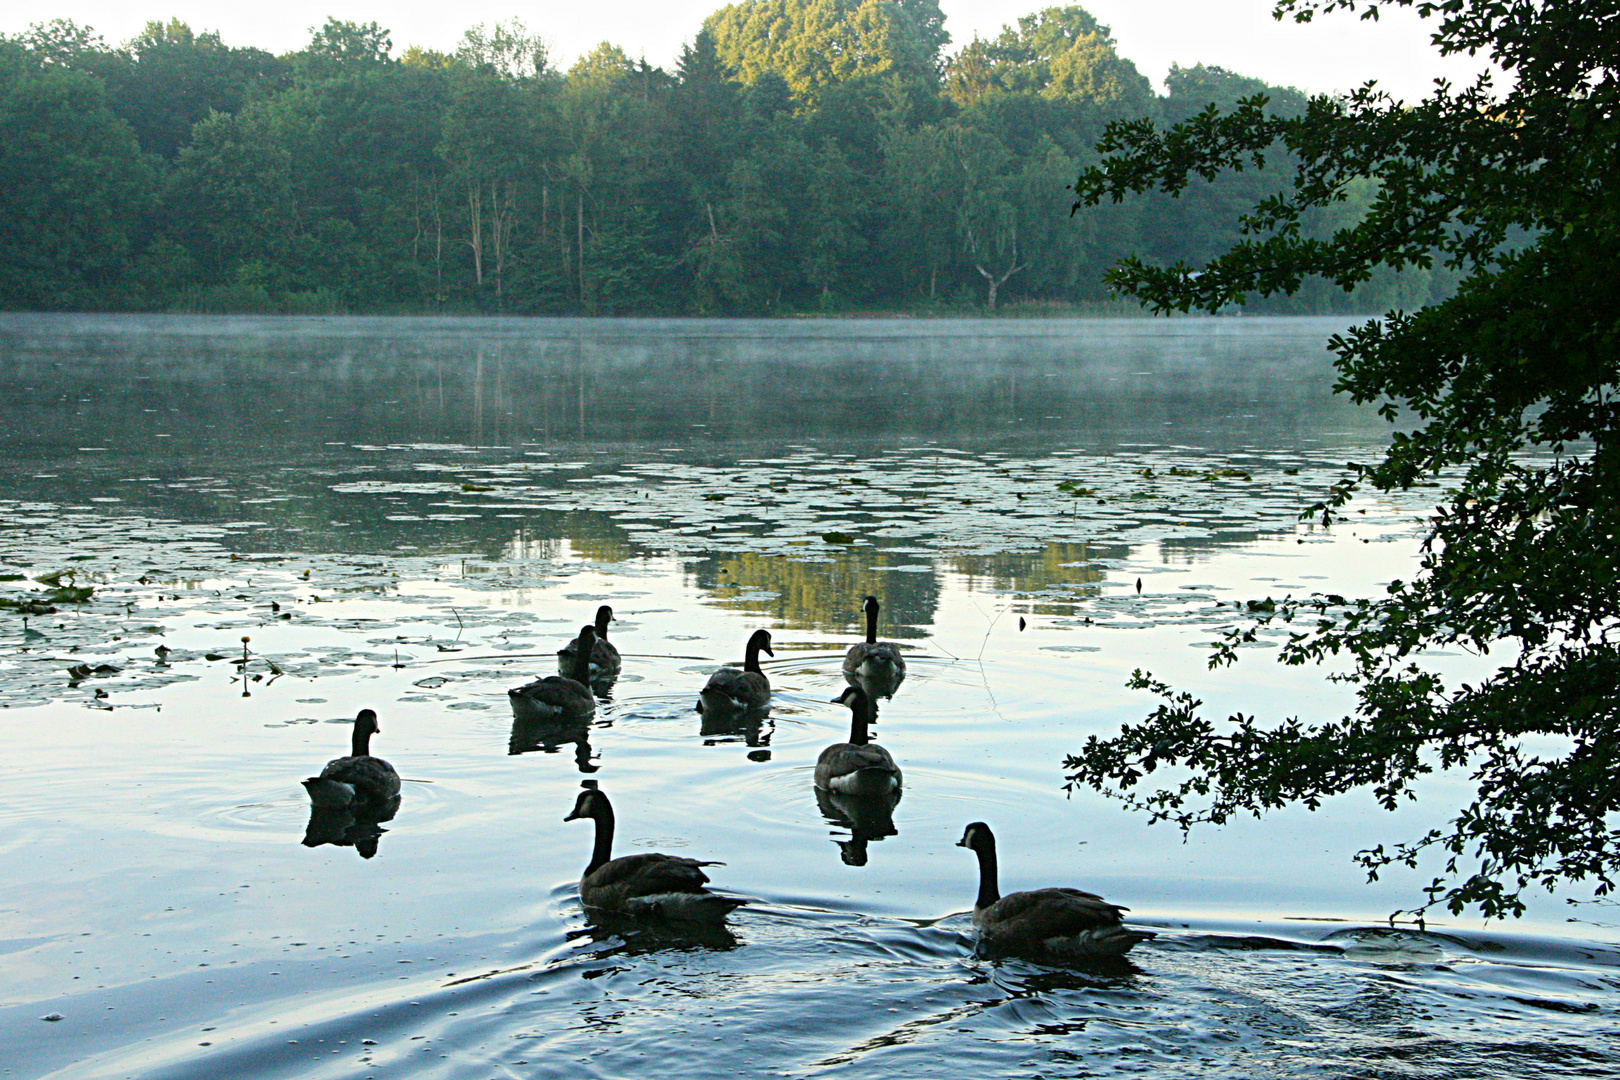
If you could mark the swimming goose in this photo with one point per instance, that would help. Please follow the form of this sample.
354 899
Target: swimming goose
857 767
730 690
874 660
604 656
358 778
646 884
559 697
1059 922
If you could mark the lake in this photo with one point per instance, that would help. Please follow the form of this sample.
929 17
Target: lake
286 520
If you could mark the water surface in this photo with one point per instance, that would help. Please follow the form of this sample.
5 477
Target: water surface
413 515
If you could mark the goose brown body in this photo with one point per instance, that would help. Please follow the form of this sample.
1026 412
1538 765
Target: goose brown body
730 691
358 778
559 697
604 654
1066 923
859 766
874 659
647 884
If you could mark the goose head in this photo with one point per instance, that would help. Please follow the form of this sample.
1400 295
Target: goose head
861 713
978 837
760 642
591 803
604 615
852 696
870 607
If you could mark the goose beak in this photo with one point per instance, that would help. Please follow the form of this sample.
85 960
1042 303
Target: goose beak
962 842
572 815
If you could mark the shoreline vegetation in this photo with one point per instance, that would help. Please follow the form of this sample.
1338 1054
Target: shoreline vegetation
804 158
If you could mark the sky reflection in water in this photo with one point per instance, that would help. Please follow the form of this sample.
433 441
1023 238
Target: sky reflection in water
406 515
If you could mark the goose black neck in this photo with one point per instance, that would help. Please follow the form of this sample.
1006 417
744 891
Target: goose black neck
988 892
860 716
751 656
360 746
871 625
603 851
602 617
582 660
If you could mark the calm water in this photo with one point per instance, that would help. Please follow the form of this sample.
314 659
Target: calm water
413 515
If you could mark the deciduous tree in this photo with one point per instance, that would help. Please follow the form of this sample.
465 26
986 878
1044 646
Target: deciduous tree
1509 387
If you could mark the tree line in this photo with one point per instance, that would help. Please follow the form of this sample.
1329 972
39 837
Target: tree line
803 156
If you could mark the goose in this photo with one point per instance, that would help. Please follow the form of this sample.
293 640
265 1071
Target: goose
730 690
358 778
857 767
604 657
647 884
559 697
879 661
1058 922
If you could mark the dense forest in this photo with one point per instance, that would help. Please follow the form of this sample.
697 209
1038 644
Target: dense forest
803 156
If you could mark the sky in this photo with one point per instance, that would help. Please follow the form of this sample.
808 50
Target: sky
1336 53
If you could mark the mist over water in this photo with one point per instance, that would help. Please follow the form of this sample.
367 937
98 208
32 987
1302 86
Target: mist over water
413 515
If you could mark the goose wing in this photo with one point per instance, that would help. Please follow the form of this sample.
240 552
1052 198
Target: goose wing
1042 914
874 653
840 758
373 779
552 697
749 689
648 874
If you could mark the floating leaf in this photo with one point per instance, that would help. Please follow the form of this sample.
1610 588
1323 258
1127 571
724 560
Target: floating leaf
69 594
477 487
837 538
713 498
26 605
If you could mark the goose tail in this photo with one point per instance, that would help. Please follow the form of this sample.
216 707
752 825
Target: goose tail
329 793
872 781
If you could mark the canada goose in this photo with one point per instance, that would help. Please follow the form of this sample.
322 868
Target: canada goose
732 691
878 664
646 884
604 657
857 767
358 778
1059 922
559 697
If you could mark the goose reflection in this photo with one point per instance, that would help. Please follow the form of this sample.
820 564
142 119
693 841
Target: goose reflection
530 735
880 685
754 729
618 934
867 817
356 826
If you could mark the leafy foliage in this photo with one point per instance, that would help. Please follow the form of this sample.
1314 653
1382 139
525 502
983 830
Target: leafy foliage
1510 382
804 155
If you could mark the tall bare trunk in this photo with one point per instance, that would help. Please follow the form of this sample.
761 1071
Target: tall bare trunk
579 214
475 230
